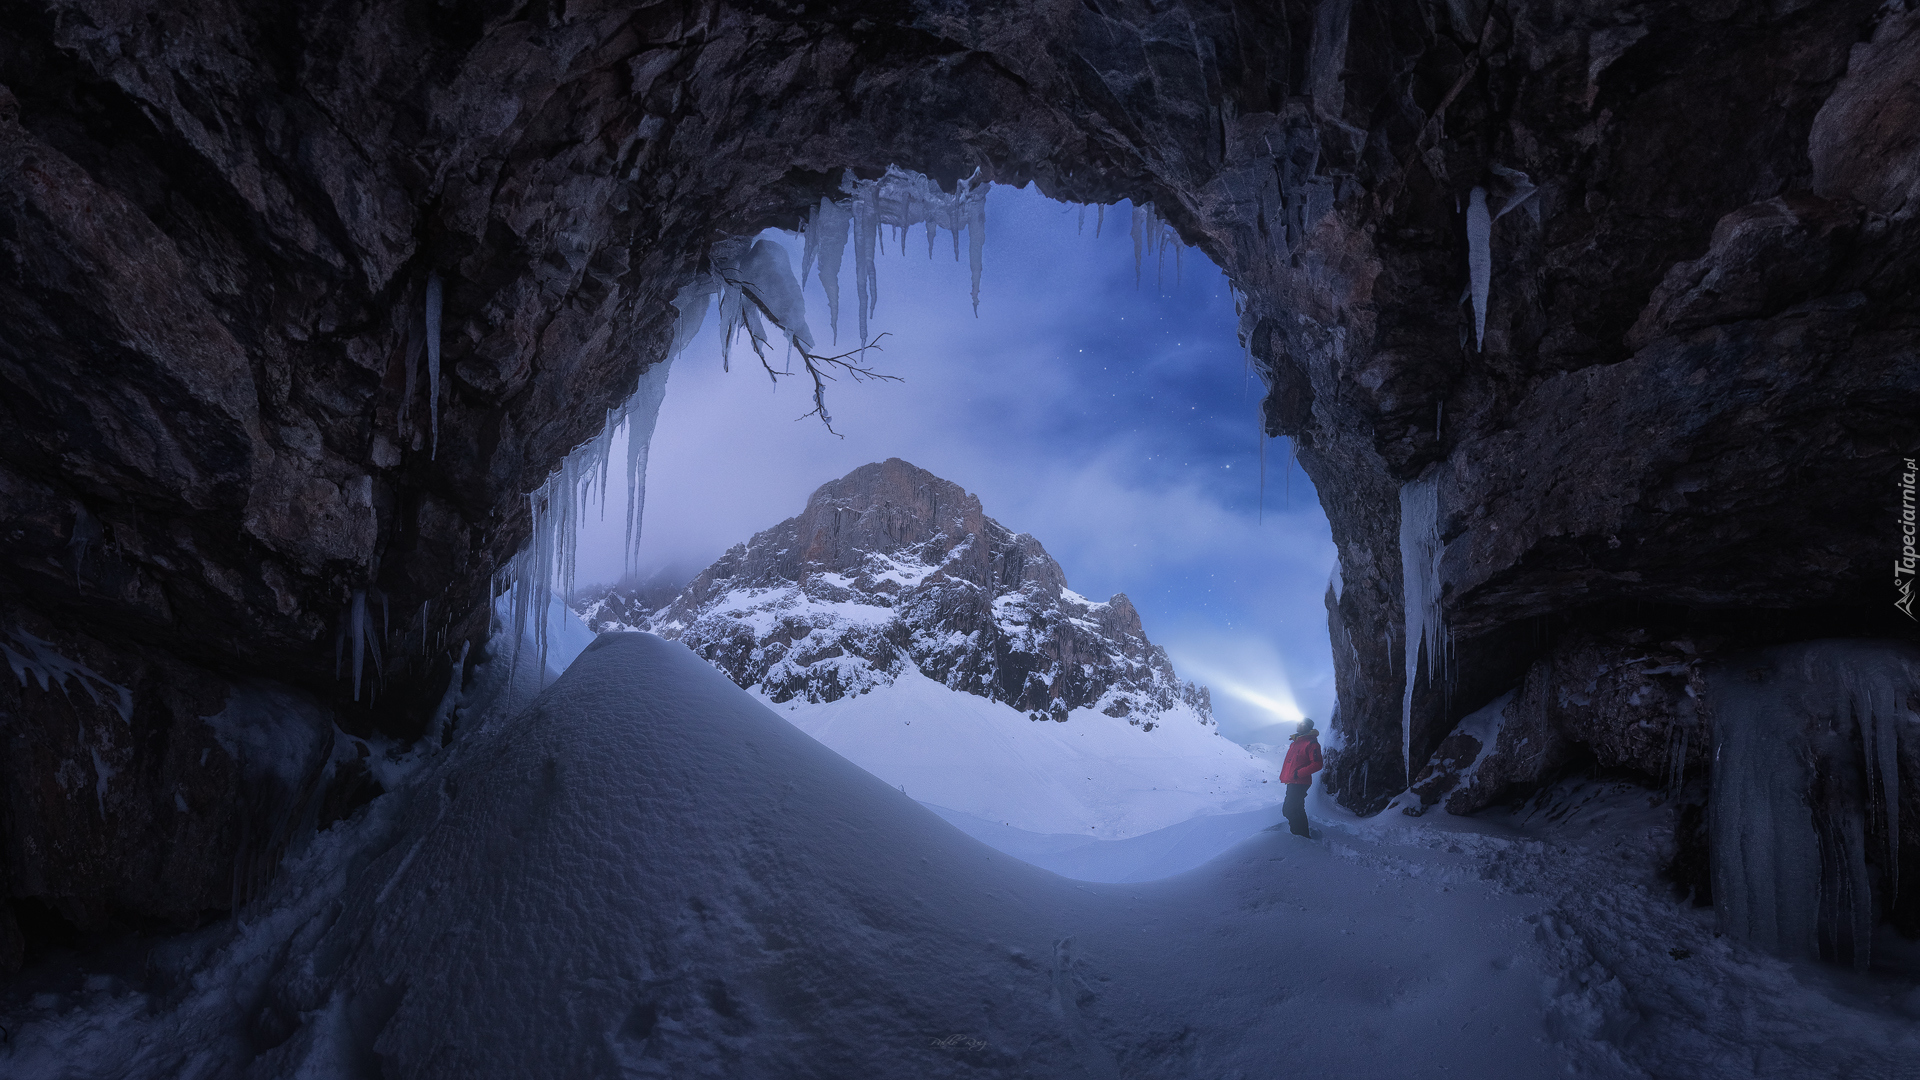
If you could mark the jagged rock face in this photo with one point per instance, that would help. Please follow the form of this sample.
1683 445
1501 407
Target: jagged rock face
218 224
891 565
1683 418
1616 702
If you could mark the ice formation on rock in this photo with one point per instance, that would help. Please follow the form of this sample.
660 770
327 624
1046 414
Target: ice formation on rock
356 640
1806 779
1479 260
826 240
559 506
901 200
1153 236
39 660
1522 194
1420 552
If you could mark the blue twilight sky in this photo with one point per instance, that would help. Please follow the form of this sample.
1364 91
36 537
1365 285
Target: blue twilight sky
1114 422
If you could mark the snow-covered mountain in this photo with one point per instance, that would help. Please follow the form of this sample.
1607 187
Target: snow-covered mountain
943 652
891 568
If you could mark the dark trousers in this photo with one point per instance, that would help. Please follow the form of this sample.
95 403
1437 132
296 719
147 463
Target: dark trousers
1296 807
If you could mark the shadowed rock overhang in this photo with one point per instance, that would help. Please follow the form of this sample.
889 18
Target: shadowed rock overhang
1660 370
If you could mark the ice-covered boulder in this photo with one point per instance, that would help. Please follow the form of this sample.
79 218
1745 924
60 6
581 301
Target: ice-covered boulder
1813 805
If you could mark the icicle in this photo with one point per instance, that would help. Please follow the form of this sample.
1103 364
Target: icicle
643 413
1082 229
1766 856
976 207
730 316
866 230
357 635
691 302
1164 233
767 278
1137 230
1420 554
1792 807
559 506
830 221
1479 261
433 359
1100 218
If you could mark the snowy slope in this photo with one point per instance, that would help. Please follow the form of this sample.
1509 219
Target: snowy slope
897 623
1091 775
649 874
1175 849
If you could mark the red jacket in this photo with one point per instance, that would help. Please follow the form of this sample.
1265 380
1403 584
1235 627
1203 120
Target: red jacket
1303 760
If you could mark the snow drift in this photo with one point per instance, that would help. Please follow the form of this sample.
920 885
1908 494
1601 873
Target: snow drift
647 873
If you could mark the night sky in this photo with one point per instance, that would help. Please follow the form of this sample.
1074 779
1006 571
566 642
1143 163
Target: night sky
1115 422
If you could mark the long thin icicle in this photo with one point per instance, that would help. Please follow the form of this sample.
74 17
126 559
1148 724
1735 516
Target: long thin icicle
1420 553
827 237
643 414
433 359
866 236
1479 261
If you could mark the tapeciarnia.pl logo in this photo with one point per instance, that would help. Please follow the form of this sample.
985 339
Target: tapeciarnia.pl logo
1903 567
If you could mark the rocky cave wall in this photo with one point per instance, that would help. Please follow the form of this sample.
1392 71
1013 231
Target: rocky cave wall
219 221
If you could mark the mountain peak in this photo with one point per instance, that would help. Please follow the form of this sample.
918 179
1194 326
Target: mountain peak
891 566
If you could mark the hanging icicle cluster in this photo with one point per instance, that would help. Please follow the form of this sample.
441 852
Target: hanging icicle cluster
559 507
1153 236
357 640
1804 799
752 286
901 200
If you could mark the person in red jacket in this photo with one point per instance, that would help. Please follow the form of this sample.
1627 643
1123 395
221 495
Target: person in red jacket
1303 760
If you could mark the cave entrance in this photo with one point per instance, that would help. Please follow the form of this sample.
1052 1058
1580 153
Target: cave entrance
1100 404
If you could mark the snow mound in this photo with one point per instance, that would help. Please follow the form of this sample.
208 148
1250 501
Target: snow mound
649 874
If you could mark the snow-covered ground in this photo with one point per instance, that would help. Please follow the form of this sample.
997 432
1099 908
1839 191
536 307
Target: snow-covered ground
648 873
1093 775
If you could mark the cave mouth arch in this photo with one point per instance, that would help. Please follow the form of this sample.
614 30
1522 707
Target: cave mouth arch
1101 405
239 226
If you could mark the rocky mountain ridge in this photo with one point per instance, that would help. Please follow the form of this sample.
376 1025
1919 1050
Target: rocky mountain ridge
891 567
